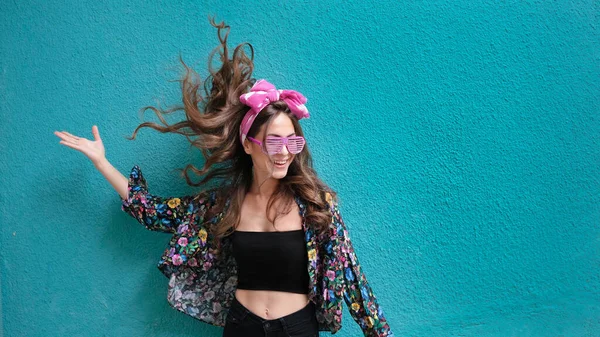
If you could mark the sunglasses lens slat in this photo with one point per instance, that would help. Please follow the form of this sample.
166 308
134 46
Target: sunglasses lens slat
295 144
274 145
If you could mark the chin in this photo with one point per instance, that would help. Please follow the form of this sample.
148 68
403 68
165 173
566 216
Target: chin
279 175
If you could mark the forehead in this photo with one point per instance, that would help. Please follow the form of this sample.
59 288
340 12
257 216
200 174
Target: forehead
281 126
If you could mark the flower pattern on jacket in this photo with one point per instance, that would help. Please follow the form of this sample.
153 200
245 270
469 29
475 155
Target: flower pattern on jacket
202 284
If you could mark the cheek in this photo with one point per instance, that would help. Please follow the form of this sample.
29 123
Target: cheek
262 160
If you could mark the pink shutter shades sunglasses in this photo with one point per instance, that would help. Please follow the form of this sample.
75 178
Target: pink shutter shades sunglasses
275 144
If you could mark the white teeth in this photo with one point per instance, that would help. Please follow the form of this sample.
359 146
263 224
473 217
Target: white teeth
281 162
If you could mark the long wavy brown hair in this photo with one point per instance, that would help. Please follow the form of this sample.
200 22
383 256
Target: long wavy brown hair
212 125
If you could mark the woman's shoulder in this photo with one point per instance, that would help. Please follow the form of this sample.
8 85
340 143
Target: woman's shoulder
331 199
323 201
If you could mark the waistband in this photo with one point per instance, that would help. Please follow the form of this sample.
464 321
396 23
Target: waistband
278 323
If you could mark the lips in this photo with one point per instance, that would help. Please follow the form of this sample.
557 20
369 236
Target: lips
281 162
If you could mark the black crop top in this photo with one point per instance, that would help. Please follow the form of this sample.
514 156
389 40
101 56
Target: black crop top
271 260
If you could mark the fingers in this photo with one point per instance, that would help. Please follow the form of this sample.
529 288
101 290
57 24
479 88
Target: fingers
72 138
70 135
95 132
69 144
67 138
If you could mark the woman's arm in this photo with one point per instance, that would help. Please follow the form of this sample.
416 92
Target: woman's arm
113 176
358 294
164 214
154 212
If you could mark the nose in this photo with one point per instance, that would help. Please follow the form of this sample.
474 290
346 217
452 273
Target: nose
284 150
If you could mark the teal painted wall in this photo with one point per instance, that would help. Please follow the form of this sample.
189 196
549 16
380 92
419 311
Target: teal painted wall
462 137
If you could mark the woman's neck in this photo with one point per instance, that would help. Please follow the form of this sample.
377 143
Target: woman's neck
263 189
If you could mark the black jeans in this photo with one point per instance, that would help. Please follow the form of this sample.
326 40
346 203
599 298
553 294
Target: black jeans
241 322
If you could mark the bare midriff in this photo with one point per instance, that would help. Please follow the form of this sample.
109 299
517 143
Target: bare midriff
270 304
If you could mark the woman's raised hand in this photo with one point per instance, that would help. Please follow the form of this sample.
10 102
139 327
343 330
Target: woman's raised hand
93 149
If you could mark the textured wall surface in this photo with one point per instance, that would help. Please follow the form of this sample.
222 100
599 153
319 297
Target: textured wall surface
463 139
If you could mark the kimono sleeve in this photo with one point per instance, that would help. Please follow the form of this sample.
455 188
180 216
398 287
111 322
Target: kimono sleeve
163 214
358 294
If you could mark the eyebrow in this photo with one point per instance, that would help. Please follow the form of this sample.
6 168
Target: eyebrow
272 134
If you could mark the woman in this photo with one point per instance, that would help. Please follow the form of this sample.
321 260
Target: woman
265 252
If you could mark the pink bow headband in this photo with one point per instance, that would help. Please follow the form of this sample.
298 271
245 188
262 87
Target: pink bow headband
261 94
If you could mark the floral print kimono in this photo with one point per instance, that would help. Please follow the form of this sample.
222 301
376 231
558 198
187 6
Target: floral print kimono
202 284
